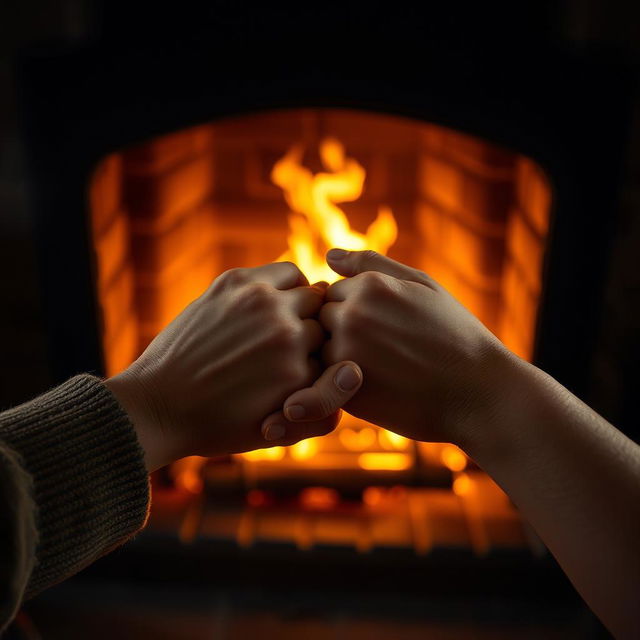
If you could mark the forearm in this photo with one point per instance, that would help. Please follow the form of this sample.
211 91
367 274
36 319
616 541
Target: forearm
432 372
575 478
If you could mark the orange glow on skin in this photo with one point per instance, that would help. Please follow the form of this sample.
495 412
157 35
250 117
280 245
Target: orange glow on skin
317 224
384 461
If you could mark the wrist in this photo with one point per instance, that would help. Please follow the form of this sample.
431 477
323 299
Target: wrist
136 401
485 424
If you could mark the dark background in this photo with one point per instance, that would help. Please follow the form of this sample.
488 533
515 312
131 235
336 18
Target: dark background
539 48
528 57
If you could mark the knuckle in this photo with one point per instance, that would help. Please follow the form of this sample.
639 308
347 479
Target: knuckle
233 277
352 319
261 292
286 335
256 297
374 281
291 265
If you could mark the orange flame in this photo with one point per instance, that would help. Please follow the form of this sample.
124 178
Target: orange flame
317 224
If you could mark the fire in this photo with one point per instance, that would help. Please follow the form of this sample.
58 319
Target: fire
316 223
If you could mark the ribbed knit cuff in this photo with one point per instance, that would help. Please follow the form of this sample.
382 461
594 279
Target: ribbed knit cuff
91 487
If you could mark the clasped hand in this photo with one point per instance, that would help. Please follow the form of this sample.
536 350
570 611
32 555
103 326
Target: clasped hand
262 358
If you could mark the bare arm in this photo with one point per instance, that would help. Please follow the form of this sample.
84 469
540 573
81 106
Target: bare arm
433 372
575 478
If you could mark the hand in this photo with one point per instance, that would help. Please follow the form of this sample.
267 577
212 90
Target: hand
309 409
428 363
205 384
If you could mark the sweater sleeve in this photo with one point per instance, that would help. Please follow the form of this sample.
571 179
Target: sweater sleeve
90 488
18 535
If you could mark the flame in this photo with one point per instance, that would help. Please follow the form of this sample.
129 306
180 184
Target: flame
317 223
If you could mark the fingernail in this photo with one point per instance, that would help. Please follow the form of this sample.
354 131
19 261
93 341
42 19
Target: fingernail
274 432
337 254
295 412
347 378
321 285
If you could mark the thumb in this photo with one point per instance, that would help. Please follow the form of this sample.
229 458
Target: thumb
334 388
314 411
351 263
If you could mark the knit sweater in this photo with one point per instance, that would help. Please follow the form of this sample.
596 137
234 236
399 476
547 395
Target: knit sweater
73 486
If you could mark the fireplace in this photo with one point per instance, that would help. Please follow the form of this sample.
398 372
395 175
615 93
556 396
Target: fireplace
170 214
150 168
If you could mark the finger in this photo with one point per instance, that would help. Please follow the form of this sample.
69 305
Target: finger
339 291
328 315
304 301
334 388
330 352
351 263
281 275
315 369
313 335
277 430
